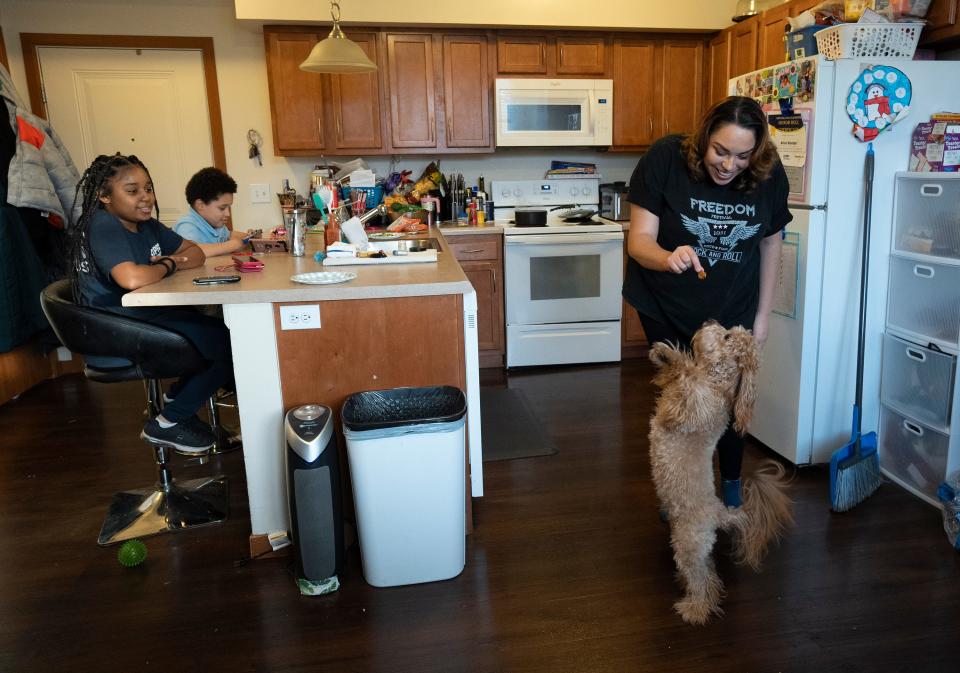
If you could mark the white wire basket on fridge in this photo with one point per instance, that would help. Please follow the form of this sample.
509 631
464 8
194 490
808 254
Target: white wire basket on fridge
858 40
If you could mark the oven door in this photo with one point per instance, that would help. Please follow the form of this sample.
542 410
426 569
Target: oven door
563 278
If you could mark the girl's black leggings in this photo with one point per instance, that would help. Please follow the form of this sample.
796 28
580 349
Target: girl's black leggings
730 444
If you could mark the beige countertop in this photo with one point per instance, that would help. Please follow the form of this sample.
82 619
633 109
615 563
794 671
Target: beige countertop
498 227
273 283
460 229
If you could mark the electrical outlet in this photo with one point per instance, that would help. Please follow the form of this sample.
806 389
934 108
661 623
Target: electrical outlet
259 193
302 316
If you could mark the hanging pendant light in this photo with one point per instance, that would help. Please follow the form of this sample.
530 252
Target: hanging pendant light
337 54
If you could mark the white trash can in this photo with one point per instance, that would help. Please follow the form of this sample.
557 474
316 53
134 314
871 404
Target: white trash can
405 448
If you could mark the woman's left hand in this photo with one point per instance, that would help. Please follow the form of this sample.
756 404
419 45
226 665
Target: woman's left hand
761 328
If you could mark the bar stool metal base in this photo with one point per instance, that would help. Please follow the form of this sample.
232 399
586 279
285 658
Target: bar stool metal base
165 509
226 439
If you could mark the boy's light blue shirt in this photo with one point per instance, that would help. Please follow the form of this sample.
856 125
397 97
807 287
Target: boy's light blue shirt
194 228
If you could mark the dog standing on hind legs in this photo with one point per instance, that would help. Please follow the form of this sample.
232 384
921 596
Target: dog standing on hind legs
699 391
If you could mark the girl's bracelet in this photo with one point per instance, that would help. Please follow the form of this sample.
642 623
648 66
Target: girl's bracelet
171 267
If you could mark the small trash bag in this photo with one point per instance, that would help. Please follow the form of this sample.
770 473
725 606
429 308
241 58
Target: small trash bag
949 495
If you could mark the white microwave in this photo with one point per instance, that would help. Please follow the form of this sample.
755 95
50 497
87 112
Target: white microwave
547 112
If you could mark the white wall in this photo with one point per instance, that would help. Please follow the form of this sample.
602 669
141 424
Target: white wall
242 78
618 14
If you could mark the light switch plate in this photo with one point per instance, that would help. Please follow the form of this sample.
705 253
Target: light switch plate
302 316
259 193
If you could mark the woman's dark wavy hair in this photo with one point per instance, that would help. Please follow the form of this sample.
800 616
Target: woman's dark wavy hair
93 184
747 114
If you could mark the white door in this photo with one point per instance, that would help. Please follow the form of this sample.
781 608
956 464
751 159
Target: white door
147 102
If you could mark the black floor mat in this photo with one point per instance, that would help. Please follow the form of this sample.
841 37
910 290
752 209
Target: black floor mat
510 429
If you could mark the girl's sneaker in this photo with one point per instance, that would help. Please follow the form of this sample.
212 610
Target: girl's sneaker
191 437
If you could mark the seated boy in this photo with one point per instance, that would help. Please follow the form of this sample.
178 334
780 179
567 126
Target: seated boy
210 195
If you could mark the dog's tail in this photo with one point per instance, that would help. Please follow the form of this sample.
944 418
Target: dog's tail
768 513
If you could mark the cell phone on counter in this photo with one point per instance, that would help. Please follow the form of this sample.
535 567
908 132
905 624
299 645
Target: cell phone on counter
216 280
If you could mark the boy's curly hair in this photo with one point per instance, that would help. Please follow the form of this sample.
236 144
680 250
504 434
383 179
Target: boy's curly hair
208 184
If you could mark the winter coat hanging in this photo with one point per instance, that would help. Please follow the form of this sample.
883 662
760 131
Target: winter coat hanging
878 99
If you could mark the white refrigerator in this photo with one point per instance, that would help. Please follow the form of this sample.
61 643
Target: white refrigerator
806 382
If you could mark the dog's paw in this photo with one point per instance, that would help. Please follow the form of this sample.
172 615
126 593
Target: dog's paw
696 611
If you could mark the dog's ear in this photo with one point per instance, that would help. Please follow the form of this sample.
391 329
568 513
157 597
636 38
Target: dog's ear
688 402
667 357
749 362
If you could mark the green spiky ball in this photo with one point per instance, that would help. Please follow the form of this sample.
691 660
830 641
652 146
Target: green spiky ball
132 553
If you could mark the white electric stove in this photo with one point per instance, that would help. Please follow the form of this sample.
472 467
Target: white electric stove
562 280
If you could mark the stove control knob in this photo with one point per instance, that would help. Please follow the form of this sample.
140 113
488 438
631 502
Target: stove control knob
505 193
518 192
574 191
586 191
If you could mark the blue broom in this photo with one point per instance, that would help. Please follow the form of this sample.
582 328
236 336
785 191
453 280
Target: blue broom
855 468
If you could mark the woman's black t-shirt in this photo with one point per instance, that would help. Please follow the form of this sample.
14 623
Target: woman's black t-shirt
724 227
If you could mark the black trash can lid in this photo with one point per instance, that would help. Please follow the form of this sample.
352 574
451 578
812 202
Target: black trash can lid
375 409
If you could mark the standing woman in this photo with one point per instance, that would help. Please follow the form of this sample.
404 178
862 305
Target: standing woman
706 216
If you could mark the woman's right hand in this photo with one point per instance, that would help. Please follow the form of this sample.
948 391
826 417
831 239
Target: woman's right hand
683 258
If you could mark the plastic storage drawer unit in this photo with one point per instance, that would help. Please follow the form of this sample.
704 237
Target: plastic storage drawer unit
923 303
408 469
918 382
912 454
927 219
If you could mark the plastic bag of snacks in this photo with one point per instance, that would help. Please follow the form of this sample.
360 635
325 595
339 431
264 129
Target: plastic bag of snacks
949 495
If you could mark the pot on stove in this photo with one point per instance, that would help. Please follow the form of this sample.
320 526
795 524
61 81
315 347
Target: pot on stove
530 217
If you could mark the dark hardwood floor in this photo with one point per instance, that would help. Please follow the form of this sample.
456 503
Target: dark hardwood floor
569 568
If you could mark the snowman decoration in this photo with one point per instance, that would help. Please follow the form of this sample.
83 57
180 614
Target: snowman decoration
877 103
878 98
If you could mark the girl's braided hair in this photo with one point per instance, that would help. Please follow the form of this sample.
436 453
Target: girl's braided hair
92 185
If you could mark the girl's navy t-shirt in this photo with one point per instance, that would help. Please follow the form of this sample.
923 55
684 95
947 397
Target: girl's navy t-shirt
112 244
724 227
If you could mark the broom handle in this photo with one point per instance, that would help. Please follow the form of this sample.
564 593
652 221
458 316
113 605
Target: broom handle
864 272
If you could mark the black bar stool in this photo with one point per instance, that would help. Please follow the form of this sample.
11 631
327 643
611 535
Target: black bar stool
119 348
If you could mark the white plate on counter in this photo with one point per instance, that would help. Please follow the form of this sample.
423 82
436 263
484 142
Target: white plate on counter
323 277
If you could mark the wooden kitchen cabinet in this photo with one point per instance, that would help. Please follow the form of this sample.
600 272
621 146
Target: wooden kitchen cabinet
681 85
296 97
771 48
411 88
577 55
481 258
467 92
718 64
743 47
636 119
355 104
552 55
943 24
658 88
313 113
522 54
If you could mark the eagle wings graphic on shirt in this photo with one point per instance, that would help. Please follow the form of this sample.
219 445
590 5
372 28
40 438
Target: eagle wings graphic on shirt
718 236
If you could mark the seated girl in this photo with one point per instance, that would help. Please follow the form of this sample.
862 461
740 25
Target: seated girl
116 246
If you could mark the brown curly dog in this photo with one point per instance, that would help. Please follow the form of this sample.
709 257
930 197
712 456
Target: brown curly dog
698 393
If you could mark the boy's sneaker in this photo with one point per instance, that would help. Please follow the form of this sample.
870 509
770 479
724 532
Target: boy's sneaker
192 438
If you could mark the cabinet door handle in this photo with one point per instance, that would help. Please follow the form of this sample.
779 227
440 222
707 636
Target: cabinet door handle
650 124
472 252
913 428
494 280
916 355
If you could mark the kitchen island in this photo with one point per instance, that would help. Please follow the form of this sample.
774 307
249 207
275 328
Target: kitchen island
393 325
